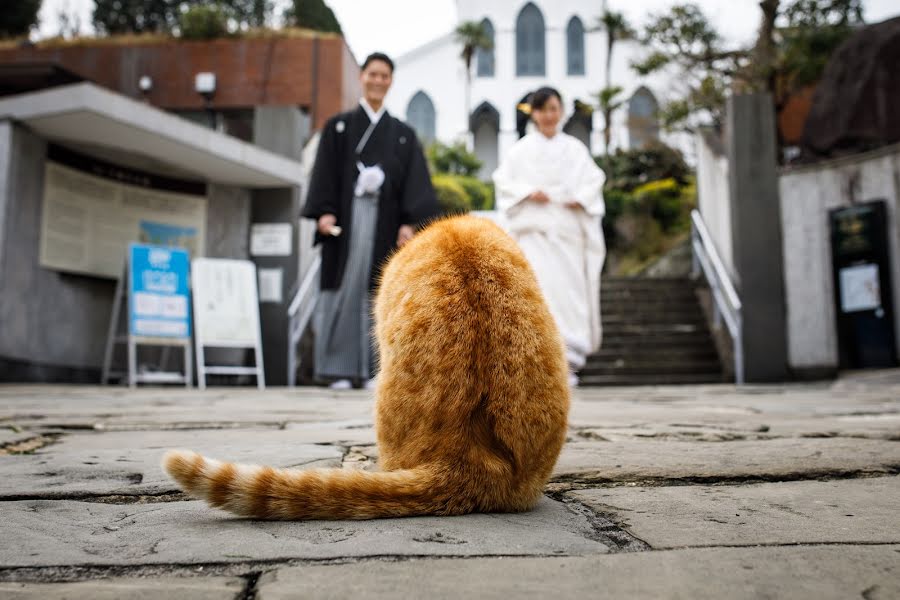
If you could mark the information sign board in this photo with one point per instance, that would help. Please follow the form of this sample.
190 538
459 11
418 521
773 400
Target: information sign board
159 294
226 313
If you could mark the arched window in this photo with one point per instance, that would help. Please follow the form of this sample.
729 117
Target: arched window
485 58
530 54
580 124
643 118
575 46
485 127
420 116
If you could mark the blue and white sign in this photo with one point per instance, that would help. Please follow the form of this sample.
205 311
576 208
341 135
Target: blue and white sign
158 291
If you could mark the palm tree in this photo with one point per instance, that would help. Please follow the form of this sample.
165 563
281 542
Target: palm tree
617 28
473 37
609 102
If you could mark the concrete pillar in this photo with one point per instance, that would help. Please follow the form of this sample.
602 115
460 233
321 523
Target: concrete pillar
6 140
284 130
280 206
757 236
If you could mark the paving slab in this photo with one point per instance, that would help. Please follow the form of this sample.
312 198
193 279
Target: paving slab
336 433
636 461
161 588
753 427
51 533
111 409
802 512
815 573
798 411
134 469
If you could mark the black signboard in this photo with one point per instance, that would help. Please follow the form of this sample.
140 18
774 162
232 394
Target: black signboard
862 286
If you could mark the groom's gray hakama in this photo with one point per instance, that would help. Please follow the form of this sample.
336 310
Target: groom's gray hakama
344 345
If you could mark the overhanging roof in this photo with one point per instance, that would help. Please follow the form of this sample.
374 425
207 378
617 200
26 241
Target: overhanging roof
84 114
19 78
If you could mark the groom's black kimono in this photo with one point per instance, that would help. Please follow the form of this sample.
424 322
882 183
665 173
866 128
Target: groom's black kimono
406 198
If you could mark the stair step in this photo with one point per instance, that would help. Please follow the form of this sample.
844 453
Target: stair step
613 368
656 296
631 380
650 352
658 330
645 281
637 343
696 317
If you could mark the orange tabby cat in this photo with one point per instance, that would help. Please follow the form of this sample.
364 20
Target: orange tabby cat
472 399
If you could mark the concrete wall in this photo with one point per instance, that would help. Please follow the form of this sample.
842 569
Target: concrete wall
713 196
53 325
807 194
47 319
281 129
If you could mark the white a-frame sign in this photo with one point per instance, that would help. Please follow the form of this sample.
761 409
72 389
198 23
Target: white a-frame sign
226 314
158 294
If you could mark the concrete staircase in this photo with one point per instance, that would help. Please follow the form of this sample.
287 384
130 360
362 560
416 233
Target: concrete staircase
654 333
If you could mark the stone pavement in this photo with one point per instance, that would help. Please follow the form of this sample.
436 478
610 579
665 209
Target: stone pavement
665 492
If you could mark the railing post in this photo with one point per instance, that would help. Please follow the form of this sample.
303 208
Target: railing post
695 262
299 313
739 354
292 355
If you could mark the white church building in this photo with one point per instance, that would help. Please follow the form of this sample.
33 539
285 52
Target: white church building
535 43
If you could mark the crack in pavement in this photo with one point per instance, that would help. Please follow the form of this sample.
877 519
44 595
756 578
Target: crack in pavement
250 569
605 531
252 579
556 488
719 435
774 545
561 484
118 499
68 574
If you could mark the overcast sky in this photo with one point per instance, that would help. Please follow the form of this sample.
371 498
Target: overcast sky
396 26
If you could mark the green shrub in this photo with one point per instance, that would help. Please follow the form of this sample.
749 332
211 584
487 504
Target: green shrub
660 200
203 22
312 14
453 160
481 196
451 196
491 202
633 168
617 202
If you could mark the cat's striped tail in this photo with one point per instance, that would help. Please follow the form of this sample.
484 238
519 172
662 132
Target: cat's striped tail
270 493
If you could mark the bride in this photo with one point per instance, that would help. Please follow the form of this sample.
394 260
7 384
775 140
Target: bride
550 192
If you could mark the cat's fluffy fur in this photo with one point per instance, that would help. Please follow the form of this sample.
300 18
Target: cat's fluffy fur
471 403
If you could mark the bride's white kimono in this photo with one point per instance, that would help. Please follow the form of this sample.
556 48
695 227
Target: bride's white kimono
564 245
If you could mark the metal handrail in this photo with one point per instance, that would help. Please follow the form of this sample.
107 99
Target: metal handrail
726 302
299 313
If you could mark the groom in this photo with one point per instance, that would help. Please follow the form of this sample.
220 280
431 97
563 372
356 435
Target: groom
369 189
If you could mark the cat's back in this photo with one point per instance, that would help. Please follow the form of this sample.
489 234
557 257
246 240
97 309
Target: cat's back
461 295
